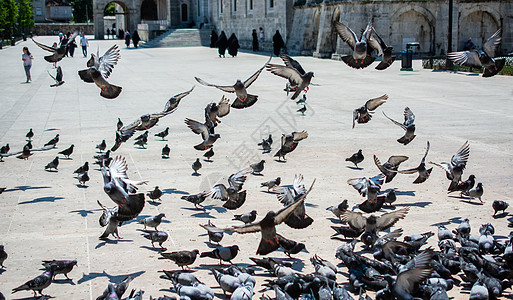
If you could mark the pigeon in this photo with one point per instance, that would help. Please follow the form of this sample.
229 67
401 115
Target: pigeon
29 144
287 196
83 178
117 290
289 247
338 209
99 70
213 235
61 266
102 157
181 277
53 141
196 166
67 152
156 237
360 58
370 206
155 194
197 291
392 164
82 169
367 187
215 111
258 167
58 53
408 126
163 134
302 100
142 142
498 205
152 221
143 123
406 282
174 101
377 43
228 283
464 185
2 190
482 58
182 258
454 168
271 184
166 151
30 134
53 164
476 192
209 154
297 80
39 283
57 78
267 226
356 158
421 169
247 217
444 233
25 153
293 83
289 143
142 136
233 195
3 256
196 199
5 149
207 133
243 292
243 100
364 114
479 291
101 146
119 125
269 140
302 110
222 253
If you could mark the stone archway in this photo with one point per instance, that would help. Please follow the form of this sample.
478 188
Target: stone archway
412 26
478 25
131 15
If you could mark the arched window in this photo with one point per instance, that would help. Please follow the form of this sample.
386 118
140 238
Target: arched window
185 12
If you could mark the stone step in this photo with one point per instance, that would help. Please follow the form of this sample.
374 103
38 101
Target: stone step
189 37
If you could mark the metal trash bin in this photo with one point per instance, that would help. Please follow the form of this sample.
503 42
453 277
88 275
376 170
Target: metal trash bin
407 57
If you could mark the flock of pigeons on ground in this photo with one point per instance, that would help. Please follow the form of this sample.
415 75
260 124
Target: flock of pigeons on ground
372 257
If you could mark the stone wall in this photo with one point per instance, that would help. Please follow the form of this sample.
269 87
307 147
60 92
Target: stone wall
53 28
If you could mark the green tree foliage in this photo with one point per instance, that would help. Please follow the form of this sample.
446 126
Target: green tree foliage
110 9
82 10
25 14
9 14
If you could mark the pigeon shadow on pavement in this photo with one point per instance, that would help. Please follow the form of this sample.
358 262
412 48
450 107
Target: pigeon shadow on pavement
195 174
280 161
26 187
63 281
51 129
501 215
109 241
52 171
158 249
85 212
42 199
402 193
154 203
173 191
218 209
81 186
353 168
38 297
469 201
456 220
203 214
112 278
418 204
208 244
257 174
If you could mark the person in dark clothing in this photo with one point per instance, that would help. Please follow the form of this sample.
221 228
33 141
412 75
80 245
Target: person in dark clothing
222 44
64 41
255 40
121 34
233 45
135 39
72 47
278 43
127 39
108 33
213 39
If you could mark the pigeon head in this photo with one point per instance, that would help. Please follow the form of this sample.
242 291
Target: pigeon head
278 181
239 84
145 118
262 161
161 215
309 75
254 213
361 47
195 251
108 188
235 248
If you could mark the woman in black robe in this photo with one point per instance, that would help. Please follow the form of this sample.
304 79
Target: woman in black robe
233 45
213 39
135 38
222 44
127 39
255 40
278 43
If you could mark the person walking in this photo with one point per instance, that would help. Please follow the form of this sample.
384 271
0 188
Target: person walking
127 39
64 41
108 33
60 36
84 43
278 43
222 44
27 58
114 33
213 38
255 40
135 38
261 34
72 45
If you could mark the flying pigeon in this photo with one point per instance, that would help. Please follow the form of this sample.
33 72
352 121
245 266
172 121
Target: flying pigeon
454 168
298 81
408 126
421 169
57 78
482 58
360 58
377 43
289 143
174 101
99 69
392 163
364 114
58 53
243 99
215 111
206 130
233 195
289 195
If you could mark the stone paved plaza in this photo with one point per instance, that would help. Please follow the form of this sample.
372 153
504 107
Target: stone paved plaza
46 215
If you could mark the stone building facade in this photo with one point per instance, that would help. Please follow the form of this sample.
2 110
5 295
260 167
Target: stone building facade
307 28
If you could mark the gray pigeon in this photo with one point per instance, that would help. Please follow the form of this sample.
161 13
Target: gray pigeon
247 217
271 184
57 78
83 178
479 291
391 165
53 164
339 209
155 194
356 158
222 253
3 256
67 152
243 292
183 278
258 167
233 195
99 70
364 113
360 58
408 125
61 266
182 258
30 134
39 283
117 290
209 154
53 141
297 80
119 125
173 102
198 291
196 166
424 173
166 151
101 146
196 199
156 237
476 192
228 283
213 234
59 53
163 134
152 221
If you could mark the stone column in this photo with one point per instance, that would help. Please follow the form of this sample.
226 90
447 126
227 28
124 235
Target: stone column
324 34
99 30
